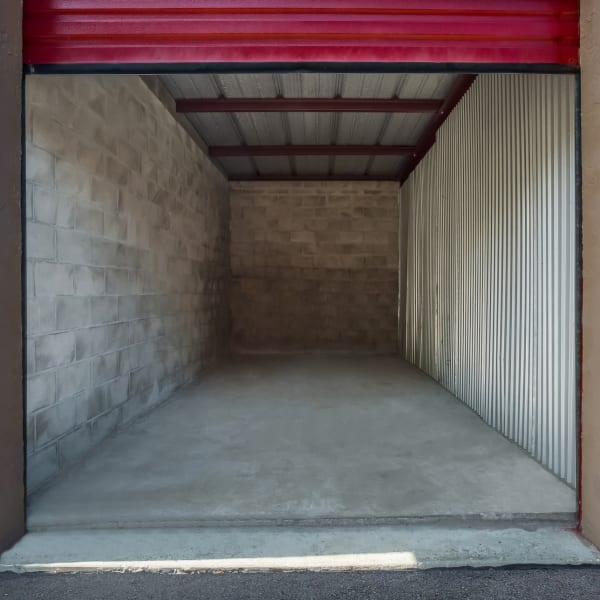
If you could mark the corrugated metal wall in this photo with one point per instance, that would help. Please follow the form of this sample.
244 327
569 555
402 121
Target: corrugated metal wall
491 261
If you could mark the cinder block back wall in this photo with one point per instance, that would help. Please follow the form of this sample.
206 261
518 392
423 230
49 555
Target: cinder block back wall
314 266
127 261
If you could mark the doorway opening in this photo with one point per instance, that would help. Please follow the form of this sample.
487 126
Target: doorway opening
301 297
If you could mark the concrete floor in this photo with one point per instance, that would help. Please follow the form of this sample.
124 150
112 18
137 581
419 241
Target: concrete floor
310 438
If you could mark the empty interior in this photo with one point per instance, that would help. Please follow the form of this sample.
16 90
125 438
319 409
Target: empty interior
309 310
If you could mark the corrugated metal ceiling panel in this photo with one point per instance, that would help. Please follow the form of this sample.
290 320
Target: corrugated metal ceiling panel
262 128
405 128
433 85
360 128
248 86
322 128
274 165
386 166
239 166
310 85
312 128
280 129
190 86
215 128
312 165
350 165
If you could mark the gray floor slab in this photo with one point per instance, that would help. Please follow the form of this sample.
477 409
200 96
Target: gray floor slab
303 438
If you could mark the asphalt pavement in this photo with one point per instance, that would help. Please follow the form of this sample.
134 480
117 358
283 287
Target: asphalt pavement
577 583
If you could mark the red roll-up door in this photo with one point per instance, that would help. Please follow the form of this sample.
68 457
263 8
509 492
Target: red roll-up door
299 31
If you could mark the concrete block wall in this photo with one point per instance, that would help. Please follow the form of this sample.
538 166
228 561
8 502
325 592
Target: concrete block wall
127 262
314 266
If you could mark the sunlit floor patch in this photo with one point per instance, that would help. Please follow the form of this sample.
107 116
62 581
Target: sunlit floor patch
387 560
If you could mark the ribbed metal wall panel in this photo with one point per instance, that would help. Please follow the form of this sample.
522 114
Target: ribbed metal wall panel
491 261
180 32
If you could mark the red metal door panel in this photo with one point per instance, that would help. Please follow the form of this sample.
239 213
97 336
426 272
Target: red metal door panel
291 31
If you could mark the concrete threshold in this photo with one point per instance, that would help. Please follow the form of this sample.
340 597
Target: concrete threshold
563 520
296 548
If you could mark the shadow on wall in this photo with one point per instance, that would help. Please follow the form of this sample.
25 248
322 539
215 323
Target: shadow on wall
314 266
127 262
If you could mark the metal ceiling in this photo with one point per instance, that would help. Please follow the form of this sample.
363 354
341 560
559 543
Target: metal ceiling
329 128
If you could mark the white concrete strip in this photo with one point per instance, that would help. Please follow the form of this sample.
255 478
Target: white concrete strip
343 562
318 549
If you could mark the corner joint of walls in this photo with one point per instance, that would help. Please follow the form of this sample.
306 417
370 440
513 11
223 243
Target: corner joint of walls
156 86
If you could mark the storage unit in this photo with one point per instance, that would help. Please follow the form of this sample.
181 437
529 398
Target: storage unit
320 261
279 254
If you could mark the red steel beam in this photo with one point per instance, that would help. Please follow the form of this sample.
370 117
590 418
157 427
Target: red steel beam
313 177
427 139
312 150
387 105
